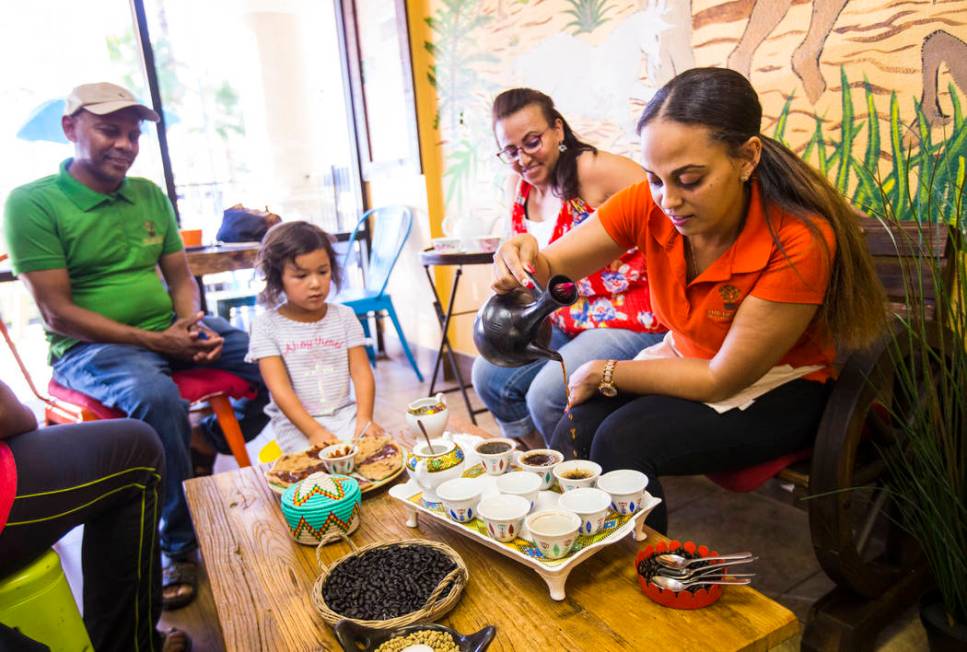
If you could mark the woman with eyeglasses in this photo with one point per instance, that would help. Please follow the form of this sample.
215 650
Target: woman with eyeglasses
557 181
758 267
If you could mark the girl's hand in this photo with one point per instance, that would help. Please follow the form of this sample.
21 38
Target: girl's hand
374 429
323 438
515 258
584 382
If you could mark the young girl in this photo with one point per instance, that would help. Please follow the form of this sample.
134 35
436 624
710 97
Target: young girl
309 350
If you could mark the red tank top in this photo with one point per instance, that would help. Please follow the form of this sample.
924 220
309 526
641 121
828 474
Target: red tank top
615 296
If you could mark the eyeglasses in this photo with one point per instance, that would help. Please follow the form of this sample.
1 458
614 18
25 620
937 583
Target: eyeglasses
531 145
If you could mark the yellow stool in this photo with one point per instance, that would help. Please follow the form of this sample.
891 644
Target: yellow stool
269 453
37 601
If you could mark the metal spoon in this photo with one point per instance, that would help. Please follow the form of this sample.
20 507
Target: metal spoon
672 584
677 562
685 573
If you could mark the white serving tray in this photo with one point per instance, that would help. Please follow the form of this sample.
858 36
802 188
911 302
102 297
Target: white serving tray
554 572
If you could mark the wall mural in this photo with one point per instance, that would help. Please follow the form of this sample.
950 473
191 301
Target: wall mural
869 91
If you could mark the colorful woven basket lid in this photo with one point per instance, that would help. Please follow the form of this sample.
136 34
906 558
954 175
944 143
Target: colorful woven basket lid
321 502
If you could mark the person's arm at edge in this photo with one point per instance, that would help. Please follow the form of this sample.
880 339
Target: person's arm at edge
181 284
15 417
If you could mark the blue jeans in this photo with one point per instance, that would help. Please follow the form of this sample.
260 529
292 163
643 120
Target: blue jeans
138 382
532 397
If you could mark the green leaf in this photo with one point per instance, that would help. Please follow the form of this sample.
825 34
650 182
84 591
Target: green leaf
779 133
872 158
846 126
900 161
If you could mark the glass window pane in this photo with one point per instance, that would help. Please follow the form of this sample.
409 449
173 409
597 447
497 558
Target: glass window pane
48 47
261 118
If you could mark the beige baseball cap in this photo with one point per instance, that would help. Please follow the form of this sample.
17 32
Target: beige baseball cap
103 98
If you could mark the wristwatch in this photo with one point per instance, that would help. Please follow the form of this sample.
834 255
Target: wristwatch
606 386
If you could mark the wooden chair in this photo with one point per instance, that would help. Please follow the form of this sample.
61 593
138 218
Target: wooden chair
198 386
871 588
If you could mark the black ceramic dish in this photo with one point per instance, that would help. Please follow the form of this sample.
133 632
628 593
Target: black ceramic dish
357 638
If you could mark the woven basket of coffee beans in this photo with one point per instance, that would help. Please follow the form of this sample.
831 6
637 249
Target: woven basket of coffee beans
389 585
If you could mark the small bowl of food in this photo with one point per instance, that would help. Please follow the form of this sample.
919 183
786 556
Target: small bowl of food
553 531
339 458
431 412
520 483
496 455
541 461
626 488
576 474
503 515
460 497
590 504
446 245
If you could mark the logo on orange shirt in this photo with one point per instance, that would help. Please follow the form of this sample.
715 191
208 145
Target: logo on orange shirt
730 300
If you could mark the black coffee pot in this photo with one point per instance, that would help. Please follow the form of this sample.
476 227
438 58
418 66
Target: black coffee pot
512 329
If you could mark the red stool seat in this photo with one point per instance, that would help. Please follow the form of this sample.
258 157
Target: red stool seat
195 385
753 477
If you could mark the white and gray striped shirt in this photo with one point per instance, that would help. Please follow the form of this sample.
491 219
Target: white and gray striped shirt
316 355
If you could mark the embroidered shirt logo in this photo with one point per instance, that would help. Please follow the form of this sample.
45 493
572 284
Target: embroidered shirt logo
730 303
730 296
152 237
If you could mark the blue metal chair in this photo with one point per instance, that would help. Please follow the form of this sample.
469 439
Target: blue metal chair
390 227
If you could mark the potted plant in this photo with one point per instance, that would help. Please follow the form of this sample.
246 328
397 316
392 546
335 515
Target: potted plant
927 471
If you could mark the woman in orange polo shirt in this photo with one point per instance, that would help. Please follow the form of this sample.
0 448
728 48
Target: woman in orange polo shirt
757 267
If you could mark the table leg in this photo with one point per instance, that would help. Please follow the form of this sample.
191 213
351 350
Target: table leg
445 347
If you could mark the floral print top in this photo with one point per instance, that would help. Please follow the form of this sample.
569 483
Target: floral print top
614 297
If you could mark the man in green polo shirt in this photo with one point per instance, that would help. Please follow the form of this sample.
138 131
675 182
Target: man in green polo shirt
88 243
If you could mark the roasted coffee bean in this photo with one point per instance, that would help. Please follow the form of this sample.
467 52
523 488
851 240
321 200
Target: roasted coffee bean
385 582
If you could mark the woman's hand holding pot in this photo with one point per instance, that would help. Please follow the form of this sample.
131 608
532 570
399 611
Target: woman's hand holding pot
516 260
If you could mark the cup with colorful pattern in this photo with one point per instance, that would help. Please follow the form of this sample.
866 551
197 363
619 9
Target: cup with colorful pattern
626 488
339 458
541 461
503 515
460 497
520 483
575 474
590 504
553 531
496 455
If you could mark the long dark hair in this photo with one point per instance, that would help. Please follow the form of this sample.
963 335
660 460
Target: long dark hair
282 244
564 182
724 101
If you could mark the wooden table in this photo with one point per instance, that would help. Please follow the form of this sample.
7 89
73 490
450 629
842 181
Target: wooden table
261 581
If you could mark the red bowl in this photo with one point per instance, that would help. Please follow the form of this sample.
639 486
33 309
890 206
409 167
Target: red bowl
702 597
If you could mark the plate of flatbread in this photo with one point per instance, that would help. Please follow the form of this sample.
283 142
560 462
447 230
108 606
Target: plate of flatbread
379 461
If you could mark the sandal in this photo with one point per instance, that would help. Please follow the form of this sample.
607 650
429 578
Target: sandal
179 573
175 640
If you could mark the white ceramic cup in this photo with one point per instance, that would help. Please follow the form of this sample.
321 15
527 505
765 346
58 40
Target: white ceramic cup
460 497
520 483
626 488
553 531
590 470
503 515
341 463
546 471
435 424
590 504
496 463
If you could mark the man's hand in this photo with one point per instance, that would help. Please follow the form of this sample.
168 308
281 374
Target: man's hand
188 339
